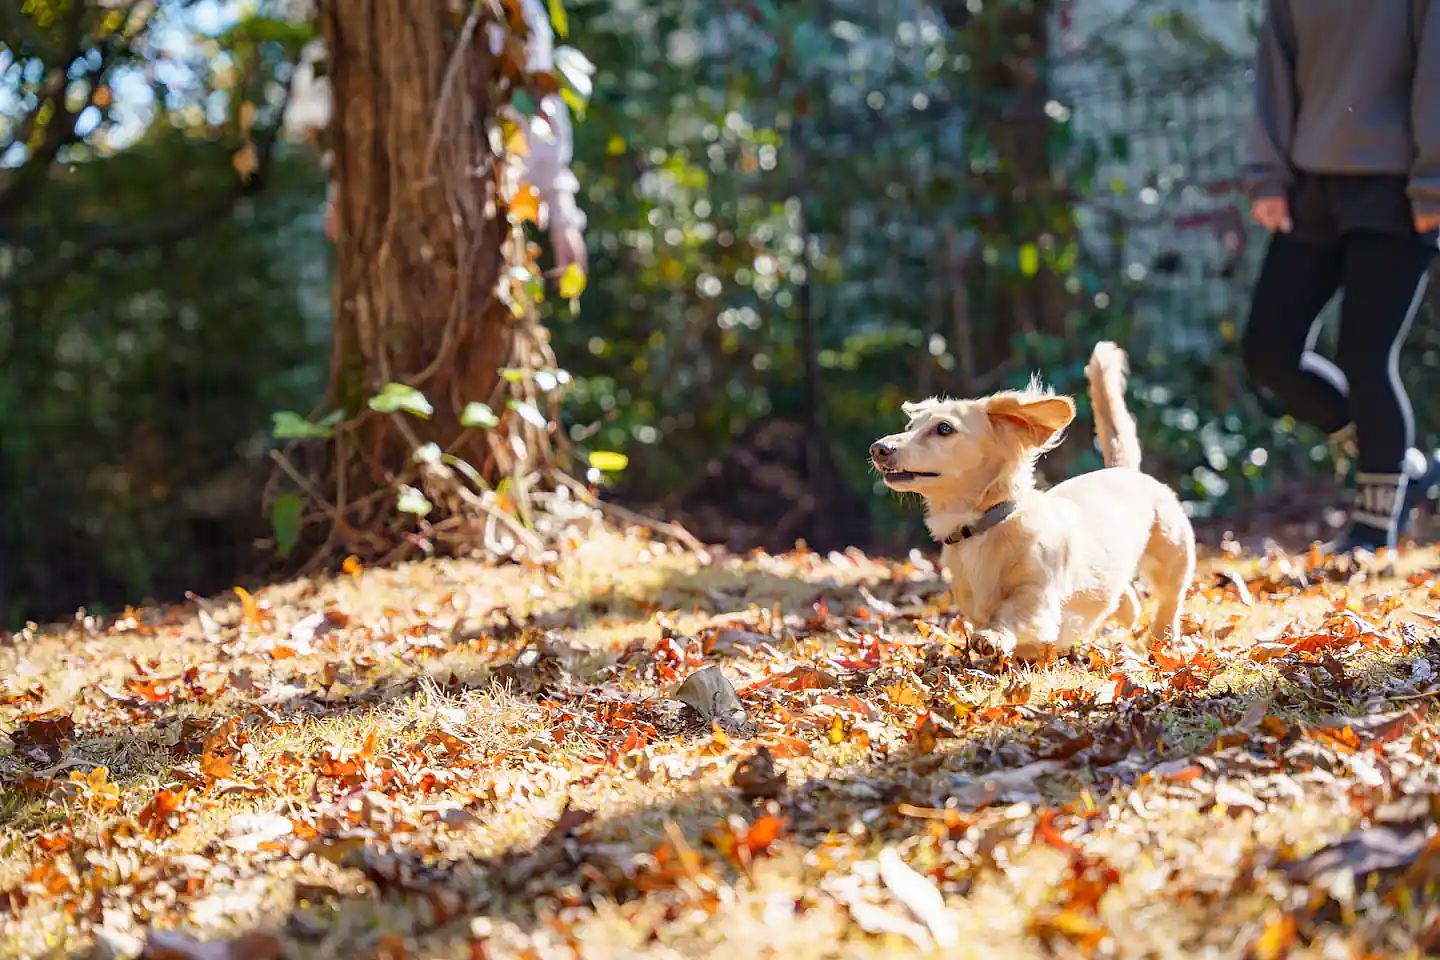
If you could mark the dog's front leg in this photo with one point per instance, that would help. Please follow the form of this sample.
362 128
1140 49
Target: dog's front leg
1026 624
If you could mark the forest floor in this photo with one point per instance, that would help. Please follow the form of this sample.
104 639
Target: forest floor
450 759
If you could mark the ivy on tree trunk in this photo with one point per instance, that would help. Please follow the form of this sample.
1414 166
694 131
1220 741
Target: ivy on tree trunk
427 256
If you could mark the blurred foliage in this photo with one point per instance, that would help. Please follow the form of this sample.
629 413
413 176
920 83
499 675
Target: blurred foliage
751 168
137 390
163 288
899 176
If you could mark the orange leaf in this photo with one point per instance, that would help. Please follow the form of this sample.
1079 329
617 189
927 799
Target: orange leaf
1045 830
49 878
1343 738
800 678
390 947
149 690
525 205
1186 774
249 608
1276 939
1165 660
782 747
763 832
1016 695
155 817
216 767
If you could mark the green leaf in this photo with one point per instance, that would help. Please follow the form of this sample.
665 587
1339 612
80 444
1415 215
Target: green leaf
577 104
523 103
289 425
609 461
559 18
528 413
413 501
1029 259
285 521
398 396
514 374
478 414
572 282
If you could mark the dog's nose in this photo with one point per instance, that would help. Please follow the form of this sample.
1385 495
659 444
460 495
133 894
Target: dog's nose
881 452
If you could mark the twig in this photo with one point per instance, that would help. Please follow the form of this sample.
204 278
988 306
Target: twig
1422 695
522 535
625 515
306 485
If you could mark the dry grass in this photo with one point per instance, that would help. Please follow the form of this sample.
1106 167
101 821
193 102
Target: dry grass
363 785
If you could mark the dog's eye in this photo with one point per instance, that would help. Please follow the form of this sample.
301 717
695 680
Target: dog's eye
944 429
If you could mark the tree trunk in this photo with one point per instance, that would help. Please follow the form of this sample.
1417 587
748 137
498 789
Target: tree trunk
423 242
419 219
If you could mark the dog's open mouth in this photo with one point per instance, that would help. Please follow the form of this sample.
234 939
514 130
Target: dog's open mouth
905 476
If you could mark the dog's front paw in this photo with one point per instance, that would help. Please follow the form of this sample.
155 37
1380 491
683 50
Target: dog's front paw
993 640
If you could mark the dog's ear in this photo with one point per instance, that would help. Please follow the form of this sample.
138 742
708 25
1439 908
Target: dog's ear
913 410
1038 420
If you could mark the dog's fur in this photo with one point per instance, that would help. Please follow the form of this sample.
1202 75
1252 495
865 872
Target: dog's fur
1068 557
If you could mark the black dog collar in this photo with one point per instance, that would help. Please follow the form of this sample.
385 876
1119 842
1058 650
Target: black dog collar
990 518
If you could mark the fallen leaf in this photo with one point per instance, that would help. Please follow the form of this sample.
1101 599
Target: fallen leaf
1276 939
920 896
168 945
756 778
1009 785
247 832
799 678
158 816
762 833
249 608
712 698
1361 853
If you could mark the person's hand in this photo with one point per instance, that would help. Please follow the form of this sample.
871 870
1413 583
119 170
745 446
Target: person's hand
1426 222
1272 213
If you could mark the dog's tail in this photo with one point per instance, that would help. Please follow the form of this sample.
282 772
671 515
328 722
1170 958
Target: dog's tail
1114 426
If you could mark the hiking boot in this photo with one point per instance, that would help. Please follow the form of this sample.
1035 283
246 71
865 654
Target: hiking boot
1375 513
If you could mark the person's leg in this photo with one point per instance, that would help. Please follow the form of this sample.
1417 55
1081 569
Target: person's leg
1296 281
1384 280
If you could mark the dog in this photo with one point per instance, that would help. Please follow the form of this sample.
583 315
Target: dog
1037 571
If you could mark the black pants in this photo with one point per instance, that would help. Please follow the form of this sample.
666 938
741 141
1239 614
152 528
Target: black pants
1382 276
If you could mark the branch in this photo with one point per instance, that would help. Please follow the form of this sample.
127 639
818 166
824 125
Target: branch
60 130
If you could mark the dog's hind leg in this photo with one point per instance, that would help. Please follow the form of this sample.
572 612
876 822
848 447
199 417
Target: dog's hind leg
1169 567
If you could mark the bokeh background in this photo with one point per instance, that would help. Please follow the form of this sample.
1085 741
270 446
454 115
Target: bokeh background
799 214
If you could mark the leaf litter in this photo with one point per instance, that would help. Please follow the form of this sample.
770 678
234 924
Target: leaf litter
626 751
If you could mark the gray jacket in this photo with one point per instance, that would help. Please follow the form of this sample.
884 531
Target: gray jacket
1347 86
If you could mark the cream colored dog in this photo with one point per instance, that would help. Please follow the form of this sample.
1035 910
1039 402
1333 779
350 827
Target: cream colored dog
1037 571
